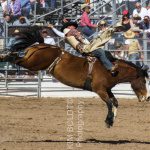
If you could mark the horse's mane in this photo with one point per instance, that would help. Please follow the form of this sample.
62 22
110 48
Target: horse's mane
141 72
129 63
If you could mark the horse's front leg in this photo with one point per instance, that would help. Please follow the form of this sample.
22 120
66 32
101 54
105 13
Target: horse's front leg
8 57
115 102
110 116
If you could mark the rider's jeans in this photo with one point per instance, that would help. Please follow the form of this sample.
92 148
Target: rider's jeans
100 54
87 31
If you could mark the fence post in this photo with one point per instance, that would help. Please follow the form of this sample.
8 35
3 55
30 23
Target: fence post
35 4
6 77
115 13
145 46
39 85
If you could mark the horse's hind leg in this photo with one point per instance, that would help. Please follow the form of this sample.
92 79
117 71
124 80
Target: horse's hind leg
115 102
110 116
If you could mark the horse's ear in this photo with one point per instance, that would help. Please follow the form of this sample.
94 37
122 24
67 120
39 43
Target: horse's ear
145 67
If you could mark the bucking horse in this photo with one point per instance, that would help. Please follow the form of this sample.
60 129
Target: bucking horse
81 73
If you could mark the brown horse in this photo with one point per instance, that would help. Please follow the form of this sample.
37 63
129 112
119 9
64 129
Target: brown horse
73 71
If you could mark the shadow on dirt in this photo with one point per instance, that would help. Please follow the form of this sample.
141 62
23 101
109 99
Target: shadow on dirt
89 141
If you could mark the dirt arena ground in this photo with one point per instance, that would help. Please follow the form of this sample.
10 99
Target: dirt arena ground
58 124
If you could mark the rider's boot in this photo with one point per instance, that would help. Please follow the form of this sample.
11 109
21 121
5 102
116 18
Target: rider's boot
113 70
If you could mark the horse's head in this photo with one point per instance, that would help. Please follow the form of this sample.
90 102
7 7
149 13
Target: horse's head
140 85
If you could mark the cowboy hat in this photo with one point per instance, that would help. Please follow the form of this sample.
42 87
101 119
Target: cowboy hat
16 31
69 24
66 30
102 22
136 29
137 17
129 34
85 5
119 26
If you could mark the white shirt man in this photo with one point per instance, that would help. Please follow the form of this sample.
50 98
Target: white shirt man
140 11
148 12
47 38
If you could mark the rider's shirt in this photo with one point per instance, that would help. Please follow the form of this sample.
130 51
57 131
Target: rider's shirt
78 42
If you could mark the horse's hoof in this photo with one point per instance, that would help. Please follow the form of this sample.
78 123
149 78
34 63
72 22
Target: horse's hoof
109 123
148 99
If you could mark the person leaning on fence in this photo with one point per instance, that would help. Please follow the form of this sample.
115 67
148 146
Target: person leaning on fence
85 22
95 48
102 26
119 50
133 47
137 21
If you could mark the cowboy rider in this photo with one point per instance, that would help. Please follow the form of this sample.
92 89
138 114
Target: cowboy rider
82 45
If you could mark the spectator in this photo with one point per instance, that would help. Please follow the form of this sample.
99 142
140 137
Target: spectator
102 26
133 47
86 22
53 4
8 19
139 10
127 23
47 38
25 8
136 21
15 8
148 11
146 23
119 53
136 31
32 3
130 4
4 6
22 21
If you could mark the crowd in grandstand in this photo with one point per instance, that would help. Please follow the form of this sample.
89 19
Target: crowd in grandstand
16 8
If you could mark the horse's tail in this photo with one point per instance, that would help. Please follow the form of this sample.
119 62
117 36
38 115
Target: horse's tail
25 39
